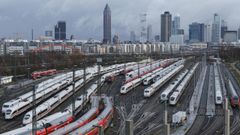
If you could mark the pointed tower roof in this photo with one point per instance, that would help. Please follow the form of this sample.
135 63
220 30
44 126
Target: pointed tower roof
107 8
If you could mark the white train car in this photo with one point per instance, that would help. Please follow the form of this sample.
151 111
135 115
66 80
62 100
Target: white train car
168 69
163 73
43 87
24 105
218 89
149 79
48 105
174 98
129 86
53 102
166 93
148 92
9 104
142 70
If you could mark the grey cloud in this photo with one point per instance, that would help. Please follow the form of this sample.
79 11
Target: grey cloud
84 17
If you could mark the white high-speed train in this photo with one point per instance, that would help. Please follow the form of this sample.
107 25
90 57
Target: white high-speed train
47 85
148 92
218 89
53 102
166 93
23 105
130 85
174 98
142 70
149 79
167 70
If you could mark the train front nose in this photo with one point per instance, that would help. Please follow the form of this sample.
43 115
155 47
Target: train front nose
27 119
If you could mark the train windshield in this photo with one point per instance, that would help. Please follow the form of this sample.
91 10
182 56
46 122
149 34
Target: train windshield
5 106
235 98
27 116
172 98
163 95
219 98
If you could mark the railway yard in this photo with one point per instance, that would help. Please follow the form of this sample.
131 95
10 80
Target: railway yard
148 93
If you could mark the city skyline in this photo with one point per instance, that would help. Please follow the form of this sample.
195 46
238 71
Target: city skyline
86 23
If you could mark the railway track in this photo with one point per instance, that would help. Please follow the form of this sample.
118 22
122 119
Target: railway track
236 122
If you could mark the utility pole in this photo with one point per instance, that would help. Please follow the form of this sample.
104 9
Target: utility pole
28 69
84 78
166 125
129 127
15 66
227 118
99 60
138 69
100 129
34 119
73 96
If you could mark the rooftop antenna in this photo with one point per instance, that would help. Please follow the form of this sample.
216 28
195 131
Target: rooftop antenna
32 34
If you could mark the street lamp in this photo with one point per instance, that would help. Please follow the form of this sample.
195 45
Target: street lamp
84 78
28 70
73 97
34 117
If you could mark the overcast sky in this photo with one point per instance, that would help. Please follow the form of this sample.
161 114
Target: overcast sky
84 17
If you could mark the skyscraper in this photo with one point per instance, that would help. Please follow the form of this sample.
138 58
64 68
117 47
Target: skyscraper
175 25
224 28
216 29
149 33
132 36
60 30
196 32
166 26
239 33
143 29
207 33
107 35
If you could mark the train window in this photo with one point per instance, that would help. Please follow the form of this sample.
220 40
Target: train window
79 99
25 100
5 106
